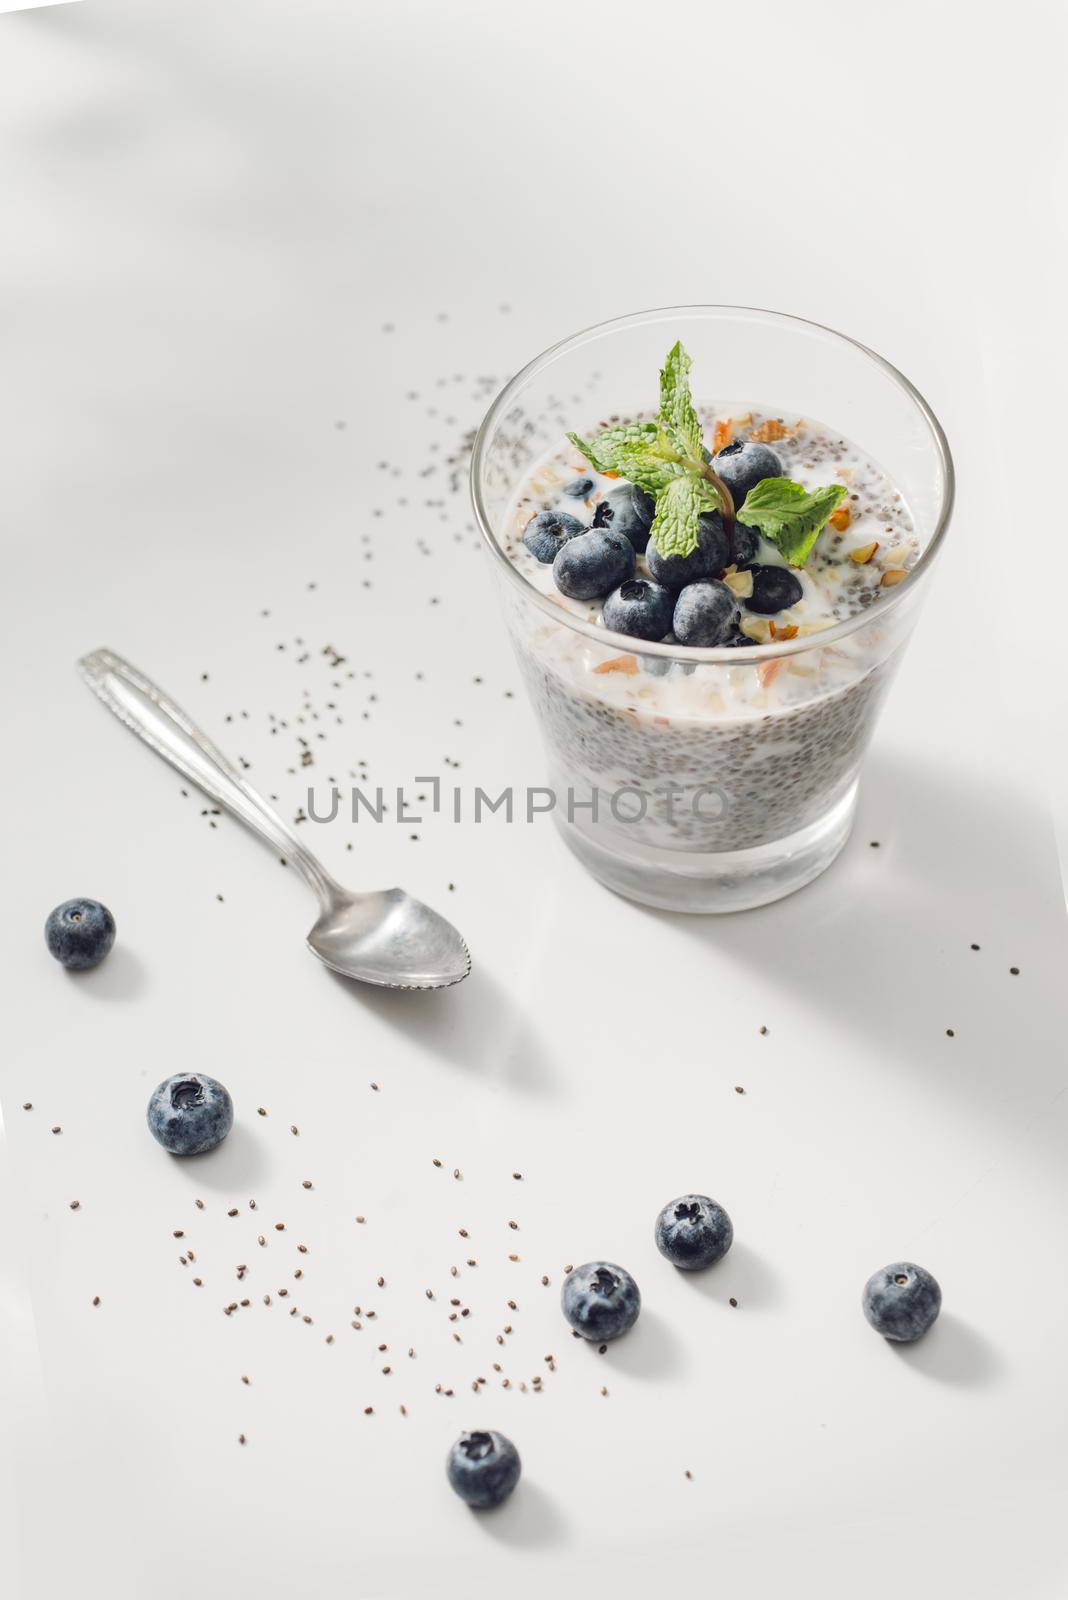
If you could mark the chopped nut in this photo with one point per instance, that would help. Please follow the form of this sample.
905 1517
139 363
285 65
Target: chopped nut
892 576
756 628
627 664
771 430
723 434
841 518
740 584
789 632
768 671
863 553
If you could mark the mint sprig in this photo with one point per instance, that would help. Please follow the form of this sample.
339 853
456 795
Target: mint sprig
667 459
638 452
790 515
679 507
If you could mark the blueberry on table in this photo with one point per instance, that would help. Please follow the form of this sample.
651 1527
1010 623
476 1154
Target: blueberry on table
707 561
545 534
693 1232
706 614
902 1301
640 608
591 564
483 1468
774 588
578 488
627 510
601 1301
79 933
742 464
190 1113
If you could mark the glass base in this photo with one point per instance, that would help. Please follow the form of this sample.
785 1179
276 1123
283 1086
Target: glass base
734 880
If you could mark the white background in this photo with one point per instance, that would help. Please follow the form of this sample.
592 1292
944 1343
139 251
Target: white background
212 211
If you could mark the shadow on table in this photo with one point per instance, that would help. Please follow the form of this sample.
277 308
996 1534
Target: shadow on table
741 1273
473 1025
122 976
233 1167
881 943
528 1518
954 1353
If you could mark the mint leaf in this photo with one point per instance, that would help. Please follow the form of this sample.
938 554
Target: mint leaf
790 515
675 530
639 452
678 418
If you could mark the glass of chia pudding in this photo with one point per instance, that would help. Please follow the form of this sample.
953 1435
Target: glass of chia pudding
709 580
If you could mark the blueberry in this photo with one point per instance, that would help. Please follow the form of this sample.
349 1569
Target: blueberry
79 933
693 1231
902 1301
483 1468
745 542
743 464
706 561
590 565
705 613
641 608
578 488
547 533
774 588
190 1113
600 1301
627 510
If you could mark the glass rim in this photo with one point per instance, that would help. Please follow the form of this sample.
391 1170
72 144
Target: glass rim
736 655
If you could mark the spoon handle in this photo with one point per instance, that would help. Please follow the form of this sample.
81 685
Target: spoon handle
155 718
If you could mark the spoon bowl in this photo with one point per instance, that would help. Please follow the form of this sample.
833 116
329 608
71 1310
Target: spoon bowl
390 939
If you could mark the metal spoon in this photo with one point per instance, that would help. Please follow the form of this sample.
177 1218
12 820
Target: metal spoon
384 937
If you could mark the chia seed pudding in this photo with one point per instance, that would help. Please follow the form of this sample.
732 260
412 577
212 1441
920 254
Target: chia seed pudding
727 756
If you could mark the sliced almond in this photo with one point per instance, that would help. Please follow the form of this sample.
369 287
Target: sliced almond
774 428
894 557
740 584
841 518
893 575
863 553
768 671
757 629
789 632
626 664
723 434
808 628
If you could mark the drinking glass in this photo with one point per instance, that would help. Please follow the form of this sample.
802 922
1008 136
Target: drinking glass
743 789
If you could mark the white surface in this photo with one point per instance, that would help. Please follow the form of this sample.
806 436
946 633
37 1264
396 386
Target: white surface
211 211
